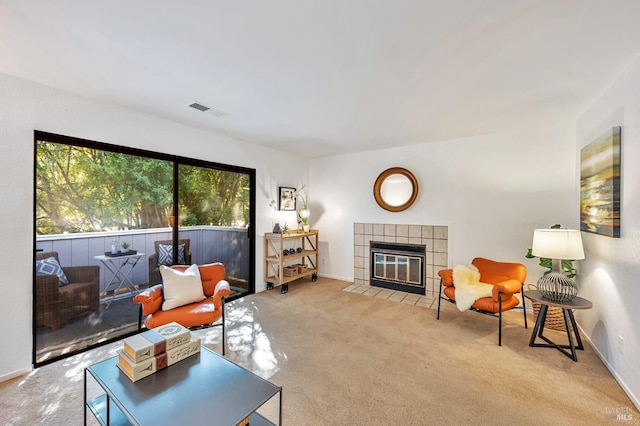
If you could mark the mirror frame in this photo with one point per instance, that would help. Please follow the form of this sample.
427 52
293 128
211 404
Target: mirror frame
377 186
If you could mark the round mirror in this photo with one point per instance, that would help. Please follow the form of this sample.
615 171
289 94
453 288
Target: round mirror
395 189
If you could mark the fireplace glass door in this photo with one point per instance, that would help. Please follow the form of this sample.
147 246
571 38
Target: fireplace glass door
398 268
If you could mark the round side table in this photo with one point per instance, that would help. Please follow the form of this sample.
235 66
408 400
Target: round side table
569 322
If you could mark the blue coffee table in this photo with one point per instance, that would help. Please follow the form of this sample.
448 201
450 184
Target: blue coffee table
203 389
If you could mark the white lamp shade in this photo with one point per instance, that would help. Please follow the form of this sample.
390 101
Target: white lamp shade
557 244
304 213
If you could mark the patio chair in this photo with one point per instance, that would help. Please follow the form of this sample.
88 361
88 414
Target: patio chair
155 260
56 304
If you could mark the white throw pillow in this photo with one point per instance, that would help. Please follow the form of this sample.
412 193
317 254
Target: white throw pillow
181 288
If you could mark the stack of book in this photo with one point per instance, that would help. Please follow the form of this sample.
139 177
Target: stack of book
155 349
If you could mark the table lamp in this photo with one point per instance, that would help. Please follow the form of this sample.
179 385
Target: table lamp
557 244
304 214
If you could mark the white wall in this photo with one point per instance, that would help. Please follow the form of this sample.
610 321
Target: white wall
610 273
491 192
25 107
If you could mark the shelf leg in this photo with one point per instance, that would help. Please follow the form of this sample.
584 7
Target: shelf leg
85 397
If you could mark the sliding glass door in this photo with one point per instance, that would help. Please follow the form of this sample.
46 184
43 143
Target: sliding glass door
107 217
214 213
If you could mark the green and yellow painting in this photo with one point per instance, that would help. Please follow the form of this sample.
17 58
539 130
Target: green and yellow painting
600 185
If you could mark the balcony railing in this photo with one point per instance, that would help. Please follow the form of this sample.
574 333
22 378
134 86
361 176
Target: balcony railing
208 244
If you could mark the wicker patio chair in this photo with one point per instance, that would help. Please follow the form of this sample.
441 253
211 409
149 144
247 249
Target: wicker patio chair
55 304
154 266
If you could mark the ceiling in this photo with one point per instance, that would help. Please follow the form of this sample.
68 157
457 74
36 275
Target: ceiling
326 77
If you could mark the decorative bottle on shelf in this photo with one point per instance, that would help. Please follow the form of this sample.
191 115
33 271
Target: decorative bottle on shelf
276 229
114 246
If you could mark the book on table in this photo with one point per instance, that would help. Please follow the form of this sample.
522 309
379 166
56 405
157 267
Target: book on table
155 341
139 370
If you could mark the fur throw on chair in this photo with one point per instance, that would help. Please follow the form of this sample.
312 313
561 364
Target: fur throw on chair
468 288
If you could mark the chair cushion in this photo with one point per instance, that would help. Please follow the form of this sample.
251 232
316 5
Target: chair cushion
165 254
181 287
50 266
488 304
191 315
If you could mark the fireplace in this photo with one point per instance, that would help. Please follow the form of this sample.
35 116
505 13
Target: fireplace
398 266
433 237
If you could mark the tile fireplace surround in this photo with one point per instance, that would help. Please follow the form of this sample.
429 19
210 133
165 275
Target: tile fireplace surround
435 239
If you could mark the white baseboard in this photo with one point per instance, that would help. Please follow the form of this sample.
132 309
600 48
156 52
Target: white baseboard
613 372
262 288
335 277
15 374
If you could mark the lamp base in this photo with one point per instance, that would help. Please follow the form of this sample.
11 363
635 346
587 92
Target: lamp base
557 287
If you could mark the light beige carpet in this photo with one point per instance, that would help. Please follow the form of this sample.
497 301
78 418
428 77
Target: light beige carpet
349 359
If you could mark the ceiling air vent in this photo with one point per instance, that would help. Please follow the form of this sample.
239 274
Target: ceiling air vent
199 107
208 110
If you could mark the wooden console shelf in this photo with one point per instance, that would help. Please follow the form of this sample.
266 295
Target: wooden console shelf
281 269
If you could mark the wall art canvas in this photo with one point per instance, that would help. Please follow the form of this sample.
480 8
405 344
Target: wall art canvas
287 199
600 185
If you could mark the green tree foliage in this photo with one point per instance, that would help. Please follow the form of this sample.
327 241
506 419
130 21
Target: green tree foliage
213 197
84 190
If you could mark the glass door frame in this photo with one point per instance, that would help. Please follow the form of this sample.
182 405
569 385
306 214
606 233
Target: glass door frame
175 160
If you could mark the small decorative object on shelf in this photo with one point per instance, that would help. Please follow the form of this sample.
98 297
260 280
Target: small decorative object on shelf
291 251
285 252
290 271
276 229
299 249
114 246
125 246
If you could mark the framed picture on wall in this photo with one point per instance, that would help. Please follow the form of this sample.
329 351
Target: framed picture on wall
287 198
600 185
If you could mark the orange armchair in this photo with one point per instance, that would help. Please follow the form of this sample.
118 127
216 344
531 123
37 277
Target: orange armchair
199 314
507 280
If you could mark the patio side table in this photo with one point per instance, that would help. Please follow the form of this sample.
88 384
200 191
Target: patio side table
121 267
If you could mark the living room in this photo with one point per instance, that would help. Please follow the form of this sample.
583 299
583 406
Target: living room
491 188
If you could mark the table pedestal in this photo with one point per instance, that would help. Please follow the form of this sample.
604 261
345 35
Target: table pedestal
569 323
